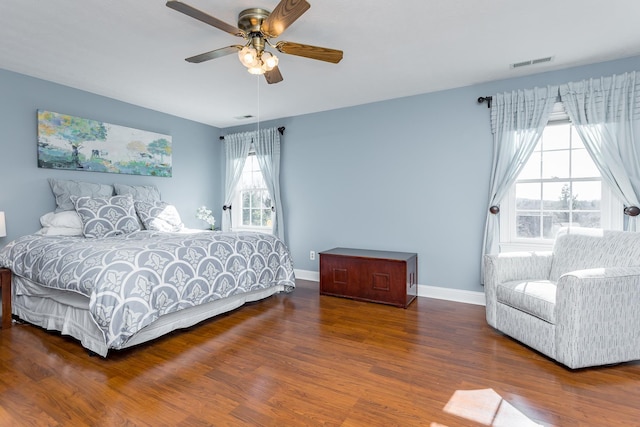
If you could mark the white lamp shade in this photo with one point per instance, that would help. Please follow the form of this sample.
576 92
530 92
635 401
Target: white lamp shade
3 226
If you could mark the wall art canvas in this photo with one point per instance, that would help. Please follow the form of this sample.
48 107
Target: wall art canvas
68 142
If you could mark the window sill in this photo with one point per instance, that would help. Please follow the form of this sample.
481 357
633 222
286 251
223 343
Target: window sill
256 230
526 246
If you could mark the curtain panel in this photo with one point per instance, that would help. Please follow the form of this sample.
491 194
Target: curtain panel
236 149
267 147
517 121
606 114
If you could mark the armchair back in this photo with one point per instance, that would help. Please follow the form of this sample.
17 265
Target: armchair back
579 248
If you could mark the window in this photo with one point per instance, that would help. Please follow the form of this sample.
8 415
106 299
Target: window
251 208
559 186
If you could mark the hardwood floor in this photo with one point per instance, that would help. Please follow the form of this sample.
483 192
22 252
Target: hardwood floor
303 360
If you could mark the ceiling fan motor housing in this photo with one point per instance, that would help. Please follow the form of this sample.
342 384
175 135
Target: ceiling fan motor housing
250 20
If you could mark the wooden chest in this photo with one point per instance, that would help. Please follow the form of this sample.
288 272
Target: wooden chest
376 276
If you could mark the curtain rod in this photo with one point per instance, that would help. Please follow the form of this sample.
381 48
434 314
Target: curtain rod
280 129
485 98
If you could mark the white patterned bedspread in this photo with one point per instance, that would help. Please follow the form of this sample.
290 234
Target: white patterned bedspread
132 280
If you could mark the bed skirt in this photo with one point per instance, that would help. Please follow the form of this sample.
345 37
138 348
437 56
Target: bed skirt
69 314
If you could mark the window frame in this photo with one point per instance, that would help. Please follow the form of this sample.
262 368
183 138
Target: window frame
610 207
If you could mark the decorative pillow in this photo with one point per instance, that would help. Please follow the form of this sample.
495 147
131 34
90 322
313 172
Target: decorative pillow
64 189
64 219
159 216
146 193
107 217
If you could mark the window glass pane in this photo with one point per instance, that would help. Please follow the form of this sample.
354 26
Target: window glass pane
556 137
255 199
245 180
558 219
576 142
555 164
587 219
587 195
555 195
256 219
528 225
582 165
266 200
246 199
528 195
532 169
266 216
552 223
246 216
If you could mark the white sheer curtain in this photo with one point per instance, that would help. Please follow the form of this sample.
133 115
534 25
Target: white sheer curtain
517 121
236 150
267 149
606 115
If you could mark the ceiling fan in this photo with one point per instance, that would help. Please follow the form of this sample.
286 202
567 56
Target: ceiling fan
257 26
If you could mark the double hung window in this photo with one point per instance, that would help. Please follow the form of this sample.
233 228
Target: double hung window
559 186
252 205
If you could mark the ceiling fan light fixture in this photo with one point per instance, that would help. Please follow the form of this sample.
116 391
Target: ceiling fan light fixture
269 61
248 56
256 69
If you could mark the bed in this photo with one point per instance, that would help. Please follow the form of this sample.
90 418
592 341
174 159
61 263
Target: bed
116 292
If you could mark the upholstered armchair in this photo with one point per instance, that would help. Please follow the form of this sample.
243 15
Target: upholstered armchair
578 304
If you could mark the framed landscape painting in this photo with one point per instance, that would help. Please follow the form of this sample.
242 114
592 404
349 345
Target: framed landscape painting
68 142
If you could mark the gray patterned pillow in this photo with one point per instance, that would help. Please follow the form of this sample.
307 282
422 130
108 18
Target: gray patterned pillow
64 190
107 217
159 216
146 193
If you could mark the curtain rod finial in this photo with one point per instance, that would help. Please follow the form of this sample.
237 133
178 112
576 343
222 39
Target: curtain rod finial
485 98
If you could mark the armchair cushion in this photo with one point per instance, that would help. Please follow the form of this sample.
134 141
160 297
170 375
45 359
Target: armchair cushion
534 297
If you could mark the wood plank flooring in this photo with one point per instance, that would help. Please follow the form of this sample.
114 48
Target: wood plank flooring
302 359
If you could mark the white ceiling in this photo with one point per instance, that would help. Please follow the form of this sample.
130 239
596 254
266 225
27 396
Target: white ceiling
134 50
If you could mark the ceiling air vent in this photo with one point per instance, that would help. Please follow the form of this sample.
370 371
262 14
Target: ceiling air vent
532 62
248 116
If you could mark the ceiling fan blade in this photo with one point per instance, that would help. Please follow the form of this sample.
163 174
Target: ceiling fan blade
214 54
273 76
206 18
285 14
308 51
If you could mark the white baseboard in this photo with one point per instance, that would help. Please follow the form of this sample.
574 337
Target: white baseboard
314 276
458 295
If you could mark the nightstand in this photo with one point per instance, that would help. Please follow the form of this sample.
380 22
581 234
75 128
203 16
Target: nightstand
5 284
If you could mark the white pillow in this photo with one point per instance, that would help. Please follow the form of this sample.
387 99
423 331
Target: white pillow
60 231
64 219
159 216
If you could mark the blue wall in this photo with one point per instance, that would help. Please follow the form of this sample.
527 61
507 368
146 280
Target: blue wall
25 194
410 174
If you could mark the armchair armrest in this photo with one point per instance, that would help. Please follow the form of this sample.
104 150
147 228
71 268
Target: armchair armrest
508 266
598 316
